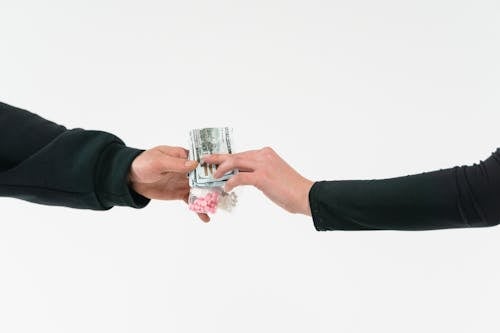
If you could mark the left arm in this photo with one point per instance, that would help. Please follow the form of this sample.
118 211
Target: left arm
43 162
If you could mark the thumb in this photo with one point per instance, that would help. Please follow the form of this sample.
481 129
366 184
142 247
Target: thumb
174 164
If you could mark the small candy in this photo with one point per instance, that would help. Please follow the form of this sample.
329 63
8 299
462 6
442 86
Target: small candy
208 200
204 204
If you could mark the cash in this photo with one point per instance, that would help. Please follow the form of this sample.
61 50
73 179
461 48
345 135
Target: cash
207 141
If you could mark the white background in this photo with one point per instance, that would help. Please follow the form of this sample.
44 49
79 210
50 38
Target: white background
341 89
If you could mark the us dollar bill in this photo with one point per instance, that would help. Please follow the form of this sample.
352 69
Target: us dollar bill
207 141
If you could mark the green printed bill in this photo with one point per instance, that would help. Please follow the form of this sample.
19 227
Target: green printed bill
207 141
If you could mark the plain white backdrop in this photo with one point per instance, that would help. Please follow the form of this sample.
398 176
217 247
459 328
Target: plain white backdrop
341 89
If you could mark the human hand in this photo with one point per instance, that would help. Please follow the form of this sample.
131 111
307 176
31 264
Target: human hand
160 173
268 172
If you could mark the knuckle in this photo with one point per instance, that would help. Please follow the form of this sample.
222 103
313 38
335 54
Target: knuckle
210 159
218 159
236 160
267 152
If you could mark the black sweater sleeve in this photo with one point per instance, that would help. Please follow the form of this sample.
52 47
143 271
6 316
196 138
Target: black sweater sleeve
45 163
459 197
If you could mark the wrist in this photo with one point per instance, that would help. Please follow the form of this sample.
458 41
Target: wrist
303 200
132 174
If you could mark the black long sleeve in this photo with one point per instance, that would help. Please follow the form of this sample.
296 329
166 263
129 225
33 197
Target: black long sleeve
459 197
45 163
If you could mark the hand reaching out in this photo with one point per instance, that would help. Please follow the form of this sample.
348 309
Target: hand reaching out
160 173
268 172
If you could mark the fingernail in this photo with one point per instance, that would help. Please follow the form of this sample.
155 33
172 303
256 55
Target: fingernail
190 163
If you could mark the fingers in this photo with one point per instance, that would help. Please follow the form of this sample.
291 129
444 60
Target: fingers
215 158
219 158
227 162
204 217
169 164
242 178
173 151
174 164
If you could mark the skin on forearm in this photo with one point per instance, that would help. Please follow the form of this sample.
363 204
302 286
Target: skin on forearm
303 200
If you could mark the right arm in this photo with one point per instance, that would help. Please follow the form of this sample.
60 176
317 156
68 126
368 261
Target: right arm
459 197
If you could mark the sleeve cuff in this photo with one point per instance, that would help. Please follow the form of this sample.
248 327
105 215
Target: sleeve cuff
111 177
314 195
334 205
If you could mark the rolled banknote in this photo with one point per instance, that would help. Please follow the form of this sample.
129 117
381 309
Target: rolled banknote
206 141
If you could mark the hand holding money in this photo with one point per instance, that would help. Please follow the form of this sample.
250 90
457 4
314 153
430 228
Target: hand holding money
268 172
160 173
